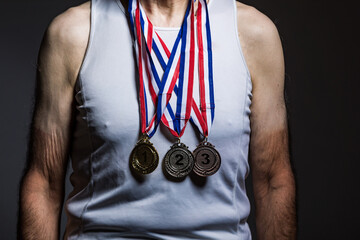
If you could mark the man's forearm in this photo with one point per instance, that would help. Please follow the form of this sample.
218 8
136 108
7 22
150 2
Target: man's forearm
275 209
40 210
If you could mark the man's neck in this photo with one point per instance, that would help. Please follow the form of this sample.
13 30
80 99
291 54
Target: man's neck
165 13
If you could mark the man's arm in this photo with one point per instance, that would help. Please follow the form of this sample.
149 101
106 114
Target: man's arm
274 185
42 186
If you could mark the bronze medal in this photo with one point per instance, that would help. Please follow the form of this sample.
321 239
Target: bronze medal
144 157
207 159
178 161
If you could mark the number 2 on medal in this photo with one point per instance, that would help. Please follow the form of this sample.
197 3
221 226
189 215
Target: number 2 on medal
179 158
206 156
145 156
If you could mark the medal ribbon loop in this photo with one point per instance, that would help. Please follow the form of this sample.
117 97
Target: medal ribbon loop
177 71
202 114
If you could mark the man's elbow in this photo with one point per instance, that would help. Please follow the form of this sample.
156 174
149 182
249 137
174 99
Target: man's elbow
279 180
35 186
282 179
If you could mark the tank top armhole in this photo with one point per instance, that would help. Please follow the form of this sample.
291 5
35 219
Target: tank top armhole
79 86
238 39
89 43
122 7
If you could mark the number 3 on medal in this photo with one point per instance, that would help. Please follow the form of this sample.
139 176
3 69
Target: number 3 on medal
206 156
207 159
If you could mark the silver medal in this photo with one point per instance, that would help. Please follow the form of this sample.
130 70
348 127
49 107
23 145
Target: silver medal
178 161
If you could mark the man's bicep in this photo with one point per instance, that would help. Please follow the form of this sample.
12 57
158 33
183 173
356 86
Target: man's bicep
50 131
269 143
269 136
269 133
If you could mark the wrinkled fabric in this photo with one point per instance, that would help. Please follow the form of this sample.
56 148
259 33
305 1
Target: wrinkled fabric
108 201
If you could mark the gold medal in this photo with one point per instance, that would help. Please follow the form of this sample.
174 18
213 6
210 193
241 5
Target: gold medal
207 159
144 157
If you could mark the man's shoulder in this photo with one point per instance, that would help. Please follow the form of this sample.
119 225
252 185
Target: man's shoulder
70 28
65 42
260 42
254 26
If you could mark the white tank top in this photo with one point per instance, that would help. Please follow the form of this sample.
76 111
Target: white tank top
107 201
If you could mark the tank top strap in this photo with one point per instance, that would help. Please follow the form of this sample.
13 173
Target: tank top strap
107 5
224 13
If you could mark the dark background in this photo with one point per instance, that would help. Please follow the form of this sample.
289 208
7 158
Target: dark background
320 40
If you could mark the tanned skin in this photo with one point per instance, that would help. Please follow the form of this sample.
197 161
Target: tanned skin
273 180
42 187
61 55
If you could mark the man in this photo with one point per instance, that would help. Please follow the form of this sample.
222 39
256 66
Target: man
87 108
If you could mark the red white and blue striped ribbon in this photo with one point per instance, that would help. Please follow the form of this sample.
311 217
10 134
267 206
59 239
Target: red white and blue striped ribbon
202 114
157 62
205 70
155 86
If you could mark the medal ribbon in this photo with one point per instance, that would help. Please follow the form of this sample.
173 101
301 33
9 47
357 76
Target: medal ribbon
154 60
205 70
149 81
203 115
149 58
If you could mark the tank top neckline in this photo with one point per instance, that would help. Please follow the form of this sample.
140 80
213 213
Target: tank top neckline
166 29
122 8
